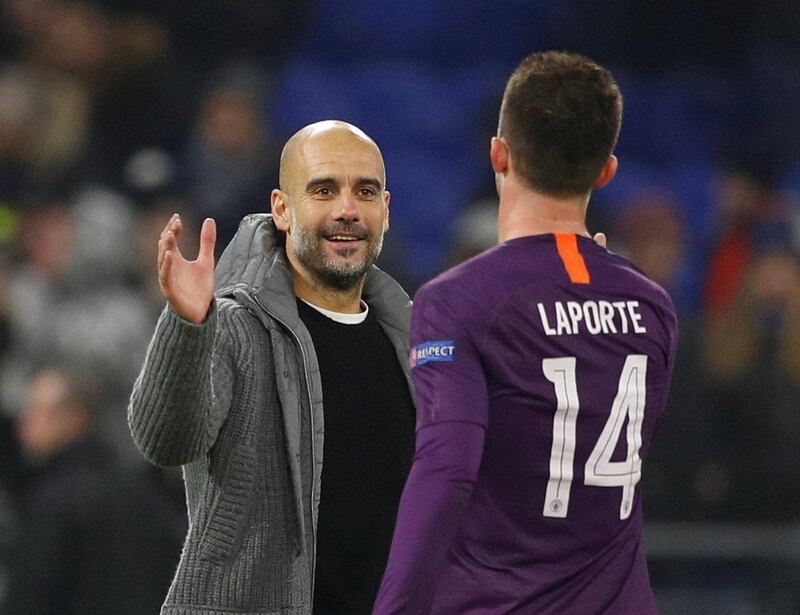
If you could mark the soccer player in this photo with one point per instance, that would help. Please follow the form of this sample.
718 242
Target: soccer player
541 370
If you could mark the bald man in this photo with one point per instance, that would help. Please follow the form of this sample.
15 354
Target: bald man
298 341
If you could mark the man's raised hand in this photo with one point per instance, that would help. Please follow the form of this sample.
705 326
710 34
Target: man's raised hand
188 286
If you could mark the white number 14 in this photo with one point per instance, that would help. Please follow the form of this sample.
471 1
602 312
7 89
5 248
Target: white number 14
600 471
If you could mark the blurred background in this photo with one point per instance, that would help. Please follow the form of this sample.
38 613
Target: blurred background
115 113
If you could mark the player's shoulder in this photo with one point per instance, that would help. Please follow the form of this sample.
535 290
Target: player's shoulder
466 277
463 291
615 276
617 270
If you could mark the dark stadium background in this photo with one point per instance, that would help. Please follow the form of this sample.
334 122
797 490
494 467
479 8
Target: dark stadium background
115 113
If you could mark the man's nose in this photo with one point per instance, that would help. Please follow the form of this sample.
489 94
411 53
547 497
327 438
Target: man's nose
347 210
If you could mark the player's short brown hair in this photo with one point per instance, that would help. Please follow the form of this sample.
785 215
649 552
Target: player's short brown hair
560 116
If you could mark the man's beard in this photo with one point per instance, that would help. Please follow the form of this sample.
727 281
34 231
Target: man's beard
331 272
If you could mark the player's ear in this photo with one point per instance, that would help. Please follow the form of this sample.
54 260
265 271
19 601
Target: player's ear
279 203
499 155
607 173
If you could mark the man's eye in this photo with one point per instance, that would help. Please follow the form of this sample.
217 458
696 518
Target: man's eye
324 192
367 192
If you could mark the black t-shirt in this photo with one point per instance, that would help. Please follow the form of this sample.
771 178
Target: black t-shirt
369 443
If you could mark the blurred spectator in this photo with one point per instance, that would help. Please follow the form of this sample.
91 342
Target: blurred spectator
134 96
93 540
43 121
232 162
650 232
142 99
22 22
735 386
94 85
71 298
474 231
752 387
747 208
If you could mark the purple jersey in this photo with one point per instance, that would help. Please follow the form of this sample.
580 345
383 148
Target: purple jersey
541 370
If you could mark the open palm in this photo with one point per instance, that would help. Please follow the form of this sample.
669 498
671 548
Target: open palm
187 285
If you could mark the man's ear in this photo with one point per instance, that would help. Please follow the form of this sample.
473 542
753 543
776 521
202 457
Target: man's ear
607 173
280 210
499 155
386 199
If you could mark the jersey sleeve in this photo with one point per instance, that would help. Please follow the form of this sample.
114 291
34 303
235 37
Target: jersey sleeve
452 408
446 364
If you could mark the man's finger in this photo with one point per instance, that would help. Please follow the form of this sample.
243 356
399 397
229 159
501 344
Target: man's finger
208 237
163 272
177 225
161 251
600 239
171 229
170 225
168 243
171 242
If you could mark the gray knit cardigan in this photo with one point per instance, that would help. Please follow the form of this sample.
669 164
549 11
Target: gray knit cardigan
237 401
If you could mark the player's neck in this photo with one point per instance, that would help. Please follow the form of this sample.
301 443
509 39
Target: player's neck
524 212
